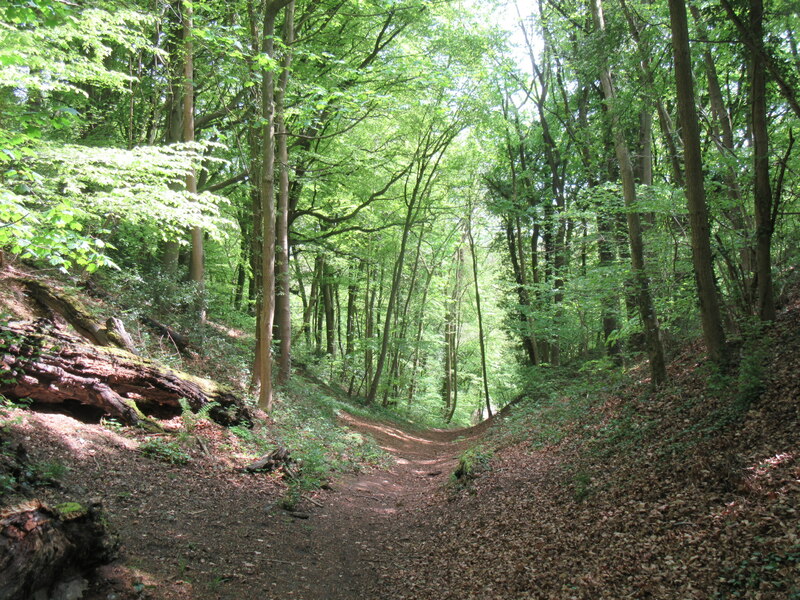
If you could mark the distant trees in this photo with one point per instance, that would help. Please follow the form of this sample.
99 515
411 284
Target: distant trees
305 163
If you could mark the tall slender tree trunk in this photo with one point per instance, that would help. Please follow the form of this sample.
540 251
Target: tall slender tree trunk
174 109
449 383
326 287
644 299
369 325
267 312
283 314
390 306
695 187
763 191
723 134
313 299
196 266
350 328
481 336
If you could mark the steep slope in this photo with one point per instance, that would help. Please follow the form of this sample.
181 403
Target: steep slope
689 493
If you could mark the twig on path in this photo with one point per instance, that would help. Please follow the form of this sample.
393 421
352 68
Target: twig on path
278 560
314 502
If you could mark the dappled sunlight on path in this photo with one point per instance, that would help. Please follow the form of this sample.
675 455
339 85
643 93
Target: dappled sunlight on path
339 551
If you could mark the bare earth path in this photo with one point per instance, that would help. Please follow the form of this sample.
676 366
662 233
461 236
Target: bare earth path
341 550
202 531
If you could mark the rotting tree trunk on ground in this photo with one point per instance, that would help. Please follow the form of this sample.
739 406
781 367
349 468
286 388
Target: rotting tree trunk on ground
53 367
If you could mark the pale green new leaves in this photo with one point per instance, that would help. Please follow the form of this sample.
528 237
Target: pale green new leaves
73 194
143 186
53 235
56 58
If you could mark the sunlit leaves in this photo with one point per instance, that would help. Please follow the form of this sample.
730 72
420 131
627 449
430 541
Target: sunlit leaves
59 210
68 51
143 185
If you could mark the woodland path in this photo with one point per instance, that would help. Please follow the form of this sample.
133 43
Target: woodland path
341 551
204 532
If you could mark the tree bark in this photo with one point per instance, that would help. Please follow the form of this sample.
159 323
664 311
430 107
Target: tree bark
723 132
644 299
196 266
328 306
42 547
481 338
450 384
173 109
762 191
702 259
267 196
283 314
53 367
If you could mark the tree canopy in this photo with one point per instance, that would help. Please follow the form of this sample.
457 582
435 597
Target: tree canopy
425 203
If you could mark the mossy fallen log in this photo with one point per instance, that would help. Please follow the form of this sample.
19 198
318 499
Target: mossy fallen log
43 547
53 367
70 308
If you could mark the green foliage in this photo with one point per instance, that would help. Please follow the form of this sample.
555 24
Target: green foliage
112 424
69 510
8 483
58 48
582 485
190 418
25 474
471 464
321 446
165 451
6 406
772 572
752 364
49 470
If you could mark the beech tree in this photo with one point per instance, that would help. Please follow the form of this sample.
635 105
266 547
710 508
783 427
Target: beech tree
695 186
641 283
318 151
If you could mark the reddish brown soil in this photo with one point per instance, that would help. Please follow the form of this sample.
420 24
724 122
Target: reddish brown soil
203 531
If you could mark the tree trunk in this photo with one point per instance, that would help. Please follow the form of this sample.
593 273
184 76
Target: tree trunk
695 188
174 111
313 298
350 330
644 299
762 191
481 338
723 133
449 384
328 306
267 312
610 302
283 314
390 307
42 549
196 267
54 367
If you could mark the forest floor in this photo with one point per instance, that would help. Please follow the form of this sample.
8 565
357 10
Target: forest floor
204 531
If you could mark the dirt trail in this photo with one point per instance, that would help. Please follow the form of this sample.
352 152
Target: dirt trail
342 549
205 532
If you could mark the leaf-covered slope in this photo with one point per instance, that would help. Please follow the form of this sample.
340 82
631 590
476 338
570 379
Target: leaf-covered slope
689 493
